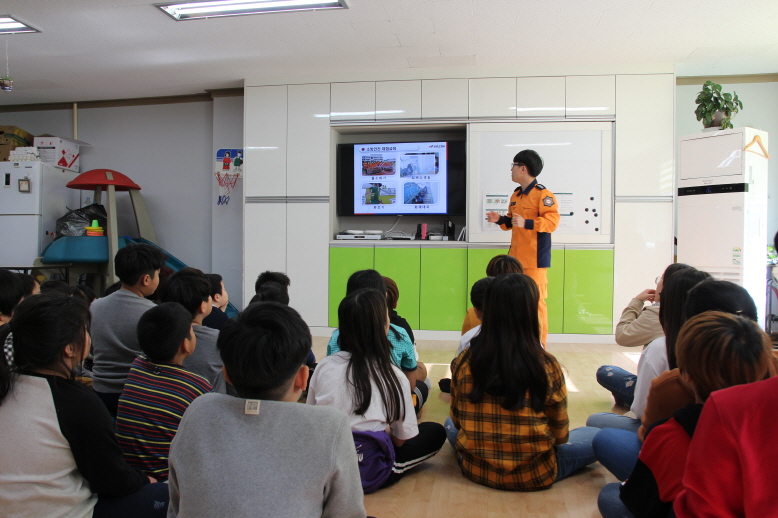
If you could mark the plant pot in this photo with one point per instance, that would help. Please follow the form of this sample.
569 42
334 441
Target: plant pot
6 84
716 122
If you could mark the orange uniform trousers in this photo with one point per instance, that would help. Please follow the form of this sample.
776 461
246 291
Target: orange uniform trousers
539 276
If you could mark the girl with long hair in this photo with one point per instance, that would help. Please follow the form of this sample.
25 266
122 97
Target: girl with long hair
361 380
509 421
61 457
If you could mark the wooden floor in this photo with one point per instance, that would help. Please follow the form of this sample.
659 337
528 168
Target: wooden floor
437 489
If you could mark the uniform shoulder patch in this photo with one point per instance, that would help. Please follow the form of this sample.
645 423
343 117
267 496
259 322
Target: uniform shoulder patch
548 201
540 186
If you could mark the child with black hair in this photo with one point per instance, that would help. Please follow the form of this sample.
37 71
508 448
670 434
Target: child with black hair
403 352
362 381
498 265
83 291
31 285
220 297
60 456
115 318
191 288
268 276
158 389
56 288
303 456
12 291
271 291
477 294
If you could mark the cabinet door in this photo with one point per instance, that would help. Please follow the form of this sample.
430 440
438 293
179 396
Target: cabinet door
265 141
645 159
477 259
444 98
309 136
556 292
588 298
397 100
352 101
443 288
590 96
540 96
306 260
403 266
264 242
493 97
343 262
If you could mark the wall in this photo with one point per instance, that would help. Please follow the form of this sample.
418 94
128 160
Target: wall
166 149
227 220
760 110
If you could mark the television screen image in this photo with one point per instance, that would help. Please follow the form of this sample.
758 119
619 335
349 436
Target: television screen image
378 166
375 193
419 164
421 193
396 178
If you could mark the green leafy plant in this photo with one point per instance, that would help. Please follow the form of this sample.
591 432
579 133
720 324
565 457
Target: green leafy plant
711 99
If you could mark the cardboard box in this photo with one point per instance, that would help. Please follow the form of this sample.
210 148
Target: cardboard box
60 152
12 137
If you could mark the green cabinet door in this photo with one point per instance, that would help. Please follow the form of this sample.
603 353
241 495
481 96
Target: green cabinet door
588 297
403 266
343 262
443 288
556 289
477 259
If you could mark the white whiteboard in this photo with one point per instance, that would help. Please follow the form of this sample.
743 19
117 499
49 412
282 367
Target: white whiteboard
578 169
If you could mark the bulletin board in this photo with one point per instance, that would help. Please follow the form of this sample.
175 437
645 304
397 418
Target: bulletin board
578 169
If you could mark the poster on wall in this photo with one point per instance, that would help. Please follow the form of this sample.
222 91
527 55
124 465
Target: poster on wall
494 203
228 170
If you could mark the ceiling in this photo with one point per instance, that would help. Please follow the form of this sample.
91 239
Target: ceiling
116 49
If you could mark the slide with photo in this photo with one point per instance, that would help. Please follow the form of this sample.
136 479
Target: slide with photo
379 167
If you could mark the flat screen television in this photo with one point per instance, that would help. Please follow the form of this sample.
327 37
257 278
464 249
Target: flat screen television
401 178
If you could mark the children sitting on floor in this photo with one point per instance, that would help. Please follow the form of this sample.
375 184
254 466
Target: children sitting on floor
508 419
192 289
361 380
115 319
261 453
158 389
220 297
403 352
498 265
715 350
60 456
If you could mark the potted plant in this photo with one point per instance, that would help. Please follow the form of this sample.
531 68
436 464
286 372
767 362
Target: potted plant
6 83
715 108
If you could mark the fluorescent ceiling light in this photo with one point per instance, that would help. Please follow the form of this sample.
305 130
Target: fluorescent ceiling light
10 25
216 8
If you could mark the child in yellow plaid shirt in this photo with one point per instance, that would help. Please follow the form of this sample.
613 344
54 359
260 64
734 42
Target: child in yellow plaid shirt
508 399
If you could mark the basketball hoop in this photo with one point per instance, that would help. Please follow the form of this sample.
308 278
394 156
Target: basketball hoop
226 183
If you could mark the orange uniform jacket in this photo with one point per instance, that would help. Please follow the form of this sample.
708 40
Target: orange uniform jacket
531 245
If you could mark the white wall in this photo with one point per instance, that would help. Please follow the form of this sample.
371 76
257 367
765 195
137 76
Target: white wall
166 149
760 110
227 220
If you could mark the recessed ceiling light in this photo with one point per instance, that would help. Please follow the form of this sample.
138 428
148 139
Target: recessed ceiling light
10 25
216 8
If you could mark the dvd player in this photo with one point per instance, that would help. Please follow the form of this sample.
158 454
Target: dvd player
358 236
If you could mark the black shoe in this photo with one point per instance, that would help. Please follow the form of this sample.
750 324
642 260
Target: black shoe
445 385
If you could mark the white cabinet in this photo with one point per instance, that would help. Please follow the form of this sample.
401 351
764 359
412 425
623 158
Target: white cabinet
540 96
444 98
643 238
308 147
590 96
645 154
353 101
493 97
397 100
265 141
264 242
308 260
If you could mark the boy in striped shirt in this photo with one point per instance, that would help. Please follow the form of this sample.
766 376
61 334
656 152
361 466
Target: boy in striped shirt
158 389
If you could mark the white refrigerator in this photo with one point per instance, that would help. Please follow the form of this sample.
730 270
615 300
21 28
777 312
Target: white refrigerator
33 196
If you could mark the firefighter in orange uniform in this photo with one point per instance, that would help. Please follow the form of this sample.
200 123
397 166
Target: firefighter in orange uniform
533 214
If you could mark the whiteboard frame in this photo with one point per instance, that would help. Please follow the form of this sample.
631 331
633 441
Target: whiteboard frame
474 131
